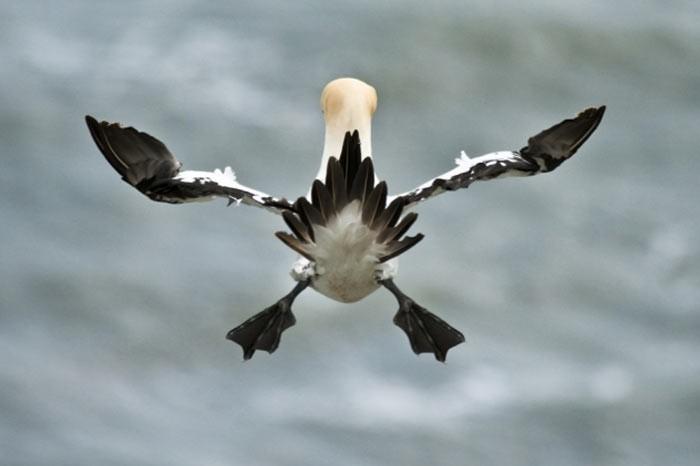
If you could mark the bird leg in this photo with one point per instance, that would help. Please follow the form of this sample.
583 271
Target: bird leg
426 332
263 330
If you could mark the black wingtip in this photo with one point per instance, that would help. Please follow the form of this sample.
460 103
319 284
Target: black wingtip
596 116
600 111
551 147
93 125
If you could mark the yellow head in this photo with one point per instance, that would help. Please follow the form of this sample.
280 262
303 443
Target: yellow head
348 103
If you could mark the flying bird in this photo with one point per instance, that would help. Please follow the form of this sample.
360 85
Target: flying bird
348 230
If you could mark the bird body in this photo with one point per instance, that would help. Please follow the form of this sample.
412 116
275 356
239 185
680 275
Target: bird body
346 256
345 251
347 230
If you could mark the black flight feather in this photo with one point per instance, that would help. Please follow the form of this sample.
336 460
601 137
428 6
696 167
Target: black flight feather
350 158
309 215
363 183
399 247
391 234
294 243
374 203
298 228
322 200
337 189
389 216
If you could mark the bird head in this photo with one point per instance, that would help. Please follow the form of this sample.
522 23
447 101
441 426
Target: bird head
348 103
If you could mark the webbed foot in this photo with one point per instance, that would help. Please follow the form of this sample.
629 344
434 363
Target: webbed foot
426 332
264 329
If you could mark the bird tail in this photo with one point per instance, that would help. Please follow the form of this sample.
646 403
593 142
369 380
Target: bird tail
349 179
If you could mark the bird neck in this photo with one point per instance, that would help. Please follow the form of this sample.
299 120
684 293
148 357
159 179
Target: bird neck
335 134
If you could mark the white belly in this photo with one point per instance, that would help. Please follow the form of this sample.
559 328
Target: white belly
346 284
346 265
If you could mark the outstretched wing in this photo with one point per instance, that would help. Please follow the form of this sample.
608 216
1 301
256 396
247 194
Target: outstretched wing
543 153
146 164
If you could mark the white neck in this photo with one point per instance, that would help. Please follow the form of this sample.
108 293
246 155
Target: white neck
335 134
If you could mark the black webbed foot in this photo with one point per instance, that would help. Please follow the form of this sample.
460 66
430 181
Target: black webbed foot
426 332
264 329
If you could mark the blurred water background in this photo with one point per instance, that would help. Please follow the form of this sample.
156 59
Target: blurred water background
578 291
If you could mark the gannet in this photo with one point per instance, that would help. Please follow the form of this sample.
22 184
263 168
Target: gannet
347 230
